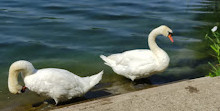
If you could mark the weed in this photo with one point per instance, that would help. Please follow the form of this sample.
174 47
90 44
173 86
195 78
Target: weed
214 41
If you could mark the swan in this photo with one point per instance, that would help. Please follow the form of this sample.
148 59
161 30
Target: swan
141 63
58 84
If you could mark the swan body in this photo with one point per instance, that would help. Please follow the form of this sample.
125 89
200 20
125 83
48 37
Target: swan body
140 63
58 84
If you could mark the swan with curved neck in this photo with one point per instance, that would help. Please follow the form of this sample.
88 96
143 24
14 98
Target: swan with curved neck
58 84
141 63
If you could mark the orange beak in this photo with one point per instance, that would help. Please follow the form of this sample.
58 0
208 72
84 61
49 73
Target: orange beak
170 37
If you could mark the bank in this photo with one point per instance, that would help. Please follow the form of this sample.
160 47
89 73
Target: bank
201 94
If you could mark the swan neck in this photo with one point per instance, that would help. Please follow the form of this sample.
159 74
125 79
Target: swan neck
24 67
162 57
152 40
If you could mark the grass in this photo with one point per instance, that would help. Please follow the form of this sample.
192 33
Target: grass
214 41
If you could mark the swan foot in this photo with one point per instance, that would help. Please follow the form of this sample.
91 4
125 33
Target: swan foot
56 102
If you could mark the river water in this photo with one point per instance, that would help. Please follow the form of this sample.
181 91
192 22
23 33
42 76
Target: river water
72 34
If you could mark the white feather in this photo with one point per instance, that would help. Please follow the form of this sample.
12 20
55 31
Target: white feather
141 63
58 84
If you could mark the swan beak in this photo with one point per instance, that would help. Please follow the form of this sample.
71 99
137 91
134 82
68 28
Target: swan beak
170 37
23 89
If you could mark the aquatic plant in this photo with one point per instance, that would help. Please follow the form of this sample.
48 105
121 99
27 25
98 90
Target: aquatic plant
214 41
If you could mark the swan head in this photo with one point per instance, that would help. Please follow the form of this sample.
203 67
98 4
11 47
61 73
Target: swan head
19 67
15 89
166 31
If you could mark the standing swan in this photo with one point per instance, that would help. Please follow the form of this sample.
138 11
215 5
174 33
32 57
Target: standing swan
58 84
141 63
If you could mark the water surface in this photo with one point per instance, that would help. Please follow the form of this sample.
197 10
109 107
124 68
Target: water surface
72 34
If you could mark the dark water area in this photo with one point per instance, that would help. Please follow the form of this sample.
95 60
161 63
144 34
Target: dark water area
72 34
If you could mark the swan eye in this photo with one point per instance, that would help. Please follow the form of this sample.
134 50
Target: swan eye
170 33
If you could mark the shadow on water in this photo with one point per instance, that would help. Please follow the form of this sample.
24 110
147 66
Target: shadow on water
99 91
95 93
91 95
141 83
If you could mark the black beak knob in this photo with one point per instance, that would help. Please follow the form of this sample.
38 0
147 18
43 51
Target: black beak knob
23 89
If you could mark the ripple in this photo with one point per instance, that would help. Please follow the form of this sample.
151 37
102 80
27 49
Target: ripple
54 7
50 18
73 34
187 40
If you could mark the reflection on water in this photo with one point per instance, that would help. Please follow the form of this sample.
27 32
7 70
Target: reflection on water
72 34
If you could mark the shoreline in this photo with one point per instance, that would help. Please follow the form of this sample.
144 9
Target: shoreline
197 94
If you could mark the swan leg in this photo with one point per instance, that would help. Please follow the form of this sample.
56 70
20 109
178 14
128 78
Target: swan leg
56 101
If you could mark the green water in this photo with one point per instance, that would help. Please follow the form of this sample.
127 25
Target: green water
72 34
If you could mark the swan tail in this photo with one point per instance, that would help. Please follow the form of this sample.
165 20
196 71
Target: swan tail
108 61
90 81
95 79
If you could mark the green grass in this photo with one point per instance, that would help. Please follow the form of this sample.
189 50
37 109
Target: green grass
214 41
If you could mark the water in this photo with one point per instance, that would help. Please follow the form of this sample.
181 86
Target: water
72 34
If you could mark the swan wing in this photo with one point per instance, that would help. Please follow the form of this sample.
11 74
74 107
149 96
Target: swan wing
133 58
133 64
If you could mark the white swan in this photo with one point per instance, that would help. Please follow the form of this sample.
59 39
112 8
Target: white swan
141 63
58 84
